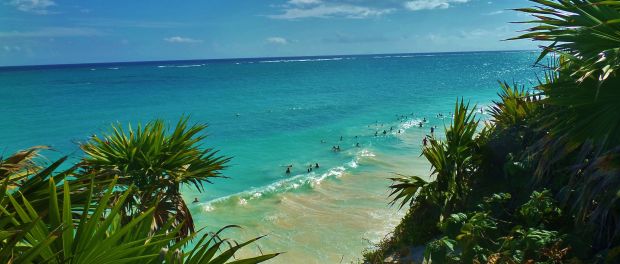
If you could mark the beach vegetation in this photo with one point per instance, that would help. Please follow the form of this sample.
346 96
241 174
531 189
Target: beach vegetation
539 181
78 213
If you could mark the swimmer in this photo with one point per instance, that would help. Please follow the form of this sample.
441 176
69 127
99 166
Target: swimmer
195 200
316 165
384 132
376 133
288 170
425 141
357 145
420 124
399 131
432 130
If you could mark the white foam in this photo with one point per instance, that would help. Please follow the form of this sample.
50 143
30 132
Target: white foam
181 66
113 68
207 207
366 153
301 60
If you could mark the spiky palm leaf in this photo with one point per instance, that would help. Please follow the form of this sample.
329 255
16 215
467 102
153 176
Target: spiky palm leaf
586 32
96 234
582 87
515 107
452 163
581 123
158 162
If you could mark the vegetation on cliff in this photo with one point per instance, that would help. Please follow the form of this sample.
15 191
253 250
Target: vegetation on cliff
540 182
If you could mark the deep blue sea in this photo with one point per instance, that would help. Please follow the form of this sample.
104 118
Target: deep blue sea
267 113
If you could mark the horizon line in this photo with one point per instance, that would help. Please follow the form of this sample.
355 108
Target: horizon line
247 58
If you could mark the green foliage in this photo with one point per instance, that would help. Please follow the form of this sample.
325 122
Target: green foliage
540 209
488 236
577 156
158 163
586 32
452 164
76 215
515 108
562 136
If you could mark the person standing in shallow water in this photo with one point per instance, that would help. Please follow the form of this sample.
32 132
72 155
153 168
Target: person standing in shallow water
316 165
425 142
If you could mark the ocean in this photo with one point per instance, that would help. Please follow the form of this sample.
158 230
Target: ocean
268 113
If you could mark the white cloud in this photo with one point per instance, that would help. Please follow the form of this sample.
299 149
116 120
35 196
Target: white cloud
33 6
304 2
498 12
330 10
178 39
53 32
417 5
12 48
277 40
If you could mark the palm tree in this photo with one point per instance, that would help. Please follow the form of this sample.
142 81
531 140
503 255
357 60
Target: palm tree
452 164
578 156
158 163
91 231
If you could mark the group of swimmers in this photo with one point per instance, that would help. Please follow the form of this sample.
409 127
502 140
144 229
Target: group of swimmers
309 169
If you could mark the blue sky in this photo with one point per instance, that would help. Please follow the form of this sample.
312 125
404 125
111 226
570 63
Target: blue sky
59 31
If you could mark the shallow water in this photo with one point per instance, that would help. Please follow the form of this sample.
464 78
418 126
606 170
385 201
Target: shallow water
267 114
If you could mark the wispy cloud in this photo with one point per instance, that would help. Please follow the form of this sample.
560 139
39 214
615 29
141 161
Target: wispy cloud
330 10
33 6
127 23
348 39
417 5
12 48
277 40
177 39
498 12
304 2
53 32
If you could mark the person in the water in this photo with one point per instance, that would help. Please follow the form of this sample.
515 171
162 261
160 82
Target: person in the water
425 141
432 130
357 145
384 132
195 200
420 124
288 170
316 165
340 138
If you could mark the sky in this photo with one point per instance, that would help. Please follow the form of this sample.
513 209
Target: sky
34 32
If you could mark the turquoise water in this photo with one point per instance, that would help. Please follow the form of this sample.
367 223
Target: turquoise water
266 114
